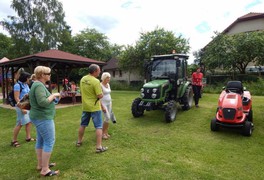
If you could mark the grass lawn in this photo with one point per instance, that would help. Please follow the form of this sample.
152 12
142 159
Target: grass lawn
142 148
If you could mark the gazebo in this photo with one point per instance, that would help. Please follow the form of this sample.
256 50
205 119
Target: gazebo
60 63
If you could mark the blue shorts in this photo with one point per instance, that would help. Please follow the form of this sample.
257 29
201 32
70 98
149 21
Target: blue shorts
96 117
45 134
22 119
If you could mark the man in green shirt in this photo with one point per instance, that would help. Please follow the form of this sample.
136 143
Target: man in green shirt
91 92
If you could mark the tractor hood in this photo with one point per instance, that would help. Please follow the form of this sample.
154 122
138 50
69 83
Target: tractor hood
156 83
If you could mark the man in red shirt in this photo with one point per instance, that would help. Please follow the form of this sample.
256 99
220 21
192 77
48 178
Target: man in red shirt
197 83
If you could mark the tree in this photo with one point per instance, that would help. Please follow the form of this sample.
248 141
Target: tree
151 43
235 52
127 60
38 26
5 45
92 44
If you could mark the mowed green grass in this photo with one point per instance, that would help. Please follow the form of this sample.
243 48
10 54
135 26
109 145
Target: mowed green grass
142 148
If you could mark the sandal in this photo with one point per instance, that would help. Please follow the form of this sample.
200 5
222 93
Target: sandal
15 144
30 139
50 165
78 144
51 173
102 149
105 136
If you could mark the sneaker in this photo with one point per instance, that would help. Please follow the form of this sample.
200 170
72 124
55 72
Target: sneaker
197 105
102 149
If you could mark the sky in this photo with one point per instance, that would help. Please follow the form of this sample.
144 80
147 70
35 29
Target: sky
122 21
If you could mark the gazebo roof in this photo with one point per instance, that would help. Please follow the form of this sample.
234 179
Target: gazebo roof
4 59
61 58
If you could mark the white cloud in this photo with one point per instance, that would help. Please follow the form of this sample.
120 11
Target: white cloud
123 20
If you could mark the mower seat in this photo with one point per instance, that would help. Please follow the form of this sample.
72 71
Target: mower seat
235 87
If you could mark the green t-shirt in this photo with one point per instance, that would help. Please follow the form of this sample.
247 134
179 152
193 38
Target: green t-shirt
41 108
90 89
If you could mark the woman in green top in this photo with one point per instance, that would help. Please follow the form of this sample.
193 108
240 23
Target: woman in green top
42 113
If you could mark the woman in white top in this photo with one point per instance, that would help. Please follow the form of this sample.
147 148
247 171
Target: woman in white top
106 102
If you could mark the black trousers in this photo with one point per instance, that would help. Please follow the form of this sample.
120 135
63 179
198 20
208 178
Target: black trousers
197 93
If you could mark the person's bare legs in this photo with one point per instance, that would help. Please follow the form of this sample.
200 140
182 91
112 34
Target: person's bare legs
99 138
28 128
105 130
16 131
81 134
45 163
39 158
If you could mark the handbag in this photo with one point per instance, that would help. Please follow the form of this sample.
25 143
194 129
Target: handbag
112 117
24 103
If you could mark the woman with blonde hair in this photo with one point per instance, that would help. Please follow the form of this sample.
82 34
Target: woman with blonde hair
42 114
106 103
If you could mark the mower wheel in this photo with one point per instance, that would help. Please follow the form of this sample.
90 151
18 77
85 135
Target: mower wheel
170 111
250 115
214 126
247 129
136 110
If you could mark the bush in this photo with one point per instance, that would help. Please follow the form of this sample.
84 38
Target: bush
123 85
255 88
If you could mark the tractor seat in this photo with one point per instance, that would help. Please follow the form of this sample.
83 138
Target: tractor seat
235 87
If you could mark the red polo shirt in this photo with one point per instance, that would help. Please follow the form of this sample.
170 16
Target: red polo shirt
197 79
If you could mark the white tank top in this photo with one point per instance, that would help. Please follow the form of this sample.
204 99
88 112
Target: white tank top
106 94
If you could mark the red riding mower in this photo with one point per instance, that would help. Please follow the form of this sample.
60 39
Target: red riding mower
234 109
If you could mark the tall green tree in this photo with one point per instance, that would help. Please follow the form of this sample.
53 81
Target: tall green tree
156 42
92 44
37 26
235 52
5 45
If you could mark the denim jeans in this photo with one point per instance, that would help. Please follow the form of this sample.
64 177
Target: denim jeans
45 134
96 117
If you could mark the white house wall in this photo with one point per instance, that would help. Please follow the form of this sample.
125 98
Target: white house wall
246 26
124 76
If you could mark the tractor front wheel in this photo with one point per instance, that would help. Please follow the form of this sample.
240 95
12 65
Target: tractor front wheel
170 111
137 111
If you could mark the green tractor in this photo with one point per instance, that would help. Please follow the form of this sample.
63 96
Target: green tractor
167 86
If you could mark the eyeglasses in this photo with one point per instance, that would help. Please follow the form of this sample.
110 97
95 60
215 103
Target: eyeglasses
47 74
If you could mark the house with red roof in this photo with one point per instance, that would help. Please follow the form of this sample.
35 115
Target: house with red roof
247 23
120 75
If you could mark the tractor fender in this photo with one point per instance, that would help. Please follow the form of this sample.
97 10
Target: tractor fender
182 89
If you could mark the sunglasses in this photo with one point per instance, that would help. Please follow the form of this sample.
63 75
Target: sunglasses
47 74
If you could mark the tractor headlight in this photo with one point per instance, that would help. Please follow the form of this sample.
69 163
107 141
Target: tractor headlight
142 95
142 90
154 90
154 96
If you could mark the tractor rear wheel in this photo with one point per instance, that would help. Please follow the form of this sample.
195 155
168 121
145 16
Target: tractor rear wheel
187 98
137 111
170 111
